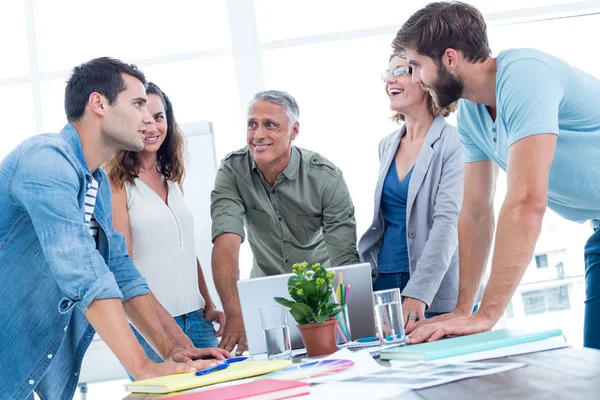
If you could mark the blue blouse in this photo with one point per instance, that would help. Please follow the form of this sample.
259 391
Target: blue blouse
393 255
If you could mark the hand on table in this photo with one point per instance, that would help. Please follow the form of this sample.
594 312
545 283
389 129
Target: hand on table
413 310
233 334
458 325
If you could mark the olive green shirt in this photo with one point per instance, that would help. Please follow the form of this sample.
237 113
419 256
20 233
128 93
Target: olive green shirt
306 215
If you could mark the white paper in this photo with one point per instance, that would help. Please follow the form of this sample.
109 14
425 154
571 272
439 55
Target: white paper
420 375
525 348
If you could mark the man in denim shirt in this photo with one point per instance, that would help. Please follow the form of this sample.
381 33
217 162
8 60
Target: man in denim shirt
62 269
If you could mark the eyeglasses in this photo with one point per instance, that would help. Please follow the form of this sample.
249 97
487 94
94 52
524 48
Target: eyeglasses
398 71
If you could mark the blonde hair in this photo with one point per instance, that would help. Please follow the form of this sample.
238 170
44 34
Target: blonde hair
433 109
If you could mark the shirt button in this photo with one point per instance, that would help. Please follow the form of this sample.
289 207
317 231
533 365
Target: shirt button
287 260
50 355
494 139
76 374
279 218
31 381
411 235
65 328
493 129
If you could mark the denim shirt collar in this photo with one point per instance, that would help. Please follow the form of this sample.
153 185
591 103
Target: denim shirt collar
74 141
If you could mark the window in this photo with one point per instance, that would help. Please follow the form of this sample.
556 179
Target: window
541 261
16 103
15 60
344 110
126 29
546 300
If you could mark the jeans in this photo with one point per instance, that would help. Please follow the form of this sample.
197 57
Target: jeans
200 331
591 325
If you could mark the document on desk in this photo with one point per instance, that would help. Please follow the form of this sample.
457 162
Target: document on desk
420 375
525 348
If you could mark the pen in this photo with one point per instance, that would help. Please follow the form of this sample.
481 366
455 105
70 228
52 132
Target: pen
217 367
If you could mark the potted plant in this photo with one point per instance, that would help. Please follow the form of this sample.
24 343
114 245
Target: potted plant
313 307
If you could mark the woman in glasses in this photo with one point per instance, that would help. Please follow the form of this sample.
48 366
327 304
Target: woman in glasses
148 209
412 241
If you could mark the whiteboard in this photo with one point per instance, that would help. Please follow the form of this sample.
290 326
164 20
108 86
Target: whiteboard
99 363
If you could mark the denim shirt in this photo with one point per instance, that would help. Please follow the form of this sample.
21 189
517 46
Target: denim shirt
51 268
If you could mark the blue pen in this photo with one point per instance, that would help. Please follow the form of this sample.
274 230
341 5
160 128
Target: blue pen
235 359
217 367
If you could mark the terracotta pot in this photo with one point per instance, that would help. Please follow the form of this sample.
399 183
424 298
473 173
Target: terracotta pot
319 338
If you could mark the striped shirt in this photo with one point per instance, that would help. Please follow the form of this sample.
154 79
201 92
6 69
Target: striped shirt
90 203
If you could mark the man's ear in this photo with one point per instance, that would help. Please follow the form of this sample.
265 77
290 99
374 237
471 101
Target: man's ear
295 130
97 103
450 58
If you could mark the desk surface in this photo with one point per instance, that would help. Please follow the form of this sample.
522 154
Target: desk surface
569 373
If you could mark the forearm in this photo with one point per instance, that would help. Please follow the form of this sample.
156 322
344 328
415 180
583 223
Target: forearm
226 274
475 235
203 287
519 227
169 326
143 317
108 319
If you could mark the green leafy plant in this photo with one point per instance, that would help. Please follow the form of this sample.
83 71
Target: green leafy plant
311 292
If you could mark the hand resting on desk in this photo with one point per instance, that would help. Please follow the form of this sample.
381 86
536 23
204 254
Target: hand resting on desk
438 327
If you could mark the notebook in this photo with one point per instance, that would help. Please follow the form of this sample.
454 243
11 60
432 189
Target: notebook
265 389
177 382
465 344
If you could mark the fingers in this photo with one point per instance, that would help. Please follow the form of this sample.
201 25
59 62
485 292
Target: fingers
242 345
228 342
421 333
176 368
411 325
221 319
219 354
202 364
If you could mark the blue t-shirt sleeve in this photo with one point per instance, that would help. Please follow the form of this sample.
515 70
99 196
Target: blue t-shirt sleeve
471 152
529 96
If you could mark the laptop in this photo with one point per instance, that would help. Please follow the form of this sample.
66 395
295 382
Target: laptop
259 292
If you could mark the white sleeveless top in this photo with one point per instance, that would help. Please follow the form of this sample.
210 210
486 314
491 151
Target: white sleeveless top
162 239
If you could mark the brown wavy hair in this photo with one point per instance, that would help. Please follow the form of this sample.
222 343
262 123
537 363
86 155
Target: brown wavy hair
171 154
435 110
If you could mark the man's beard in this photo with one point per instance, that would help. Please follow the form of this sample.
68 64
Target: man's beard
447 88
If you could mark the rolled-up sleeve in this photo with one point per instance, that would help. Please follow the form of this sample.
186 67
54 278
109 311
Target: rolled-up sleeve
47 186
339 224
227 208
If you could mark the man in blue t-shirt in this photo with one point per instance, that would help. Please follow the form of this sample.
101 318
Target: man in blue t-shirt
534 116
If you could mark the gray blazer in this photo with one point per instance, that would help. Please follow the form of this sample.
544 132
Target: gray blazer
434 198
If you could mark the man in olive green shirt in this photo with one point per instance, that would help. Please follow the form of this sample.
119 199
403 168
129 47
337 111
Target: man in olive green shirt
295 203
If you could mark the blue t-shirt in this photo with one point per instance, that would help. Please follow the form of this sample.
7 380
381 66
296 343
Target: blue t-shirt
393 254
537 93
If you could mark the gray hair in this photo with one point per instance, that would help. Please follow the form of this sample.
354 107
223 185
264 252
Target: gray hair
282 98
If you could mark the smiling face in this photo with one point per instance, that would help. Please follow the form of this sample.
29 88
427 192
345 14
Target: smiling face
444 87
404 95
157 132
269 135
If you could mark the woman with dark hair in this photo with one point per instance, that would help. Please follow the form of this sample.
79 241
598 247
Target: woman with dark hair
148 209
412 243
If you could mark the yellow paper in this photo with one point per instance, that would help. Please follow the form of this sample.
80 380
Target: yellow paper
178 382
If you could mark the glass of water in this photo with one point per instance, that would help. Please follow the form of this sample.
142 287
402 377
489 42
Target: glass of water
388 315
277 332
